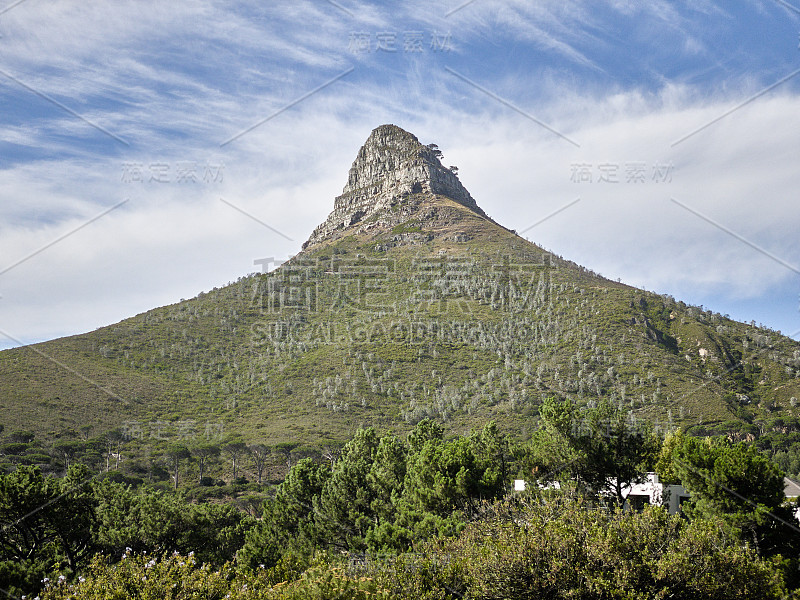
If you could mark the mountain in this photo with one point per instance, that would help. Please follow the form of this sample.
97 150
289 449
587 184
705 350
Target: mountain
407 302
390 167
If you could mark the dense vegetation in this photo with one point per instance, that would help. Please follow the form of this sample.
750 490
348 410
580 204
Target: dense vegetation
423 516
53 525
530 550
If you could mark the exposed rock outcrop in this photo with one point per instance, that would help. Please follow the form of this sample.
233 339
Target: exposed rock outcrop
390 166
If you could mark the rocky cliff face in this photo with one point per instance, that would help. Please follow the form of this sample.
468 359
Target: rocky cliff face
391 165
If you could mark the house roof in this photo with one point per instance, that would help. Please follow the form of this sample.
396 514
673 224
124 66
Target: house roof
791 488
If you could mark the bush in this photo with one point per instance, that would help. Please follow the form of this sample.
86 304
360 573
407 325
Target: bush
120 477
153 521
566 549
180 577
140 576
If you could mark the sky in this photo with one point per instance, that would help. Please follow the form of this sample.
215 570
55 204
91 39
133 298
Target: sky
150 151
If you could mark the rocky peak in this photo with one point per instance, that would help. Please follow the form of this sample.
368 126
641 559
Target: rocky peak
391 165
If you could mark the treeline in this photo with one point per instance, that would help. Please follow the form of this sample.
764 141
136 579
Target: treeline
196 462
778 437
55 525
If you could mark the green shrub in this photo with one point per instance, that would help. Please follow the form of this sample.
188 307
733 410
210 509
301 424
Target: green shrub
566 549
179 577
142 577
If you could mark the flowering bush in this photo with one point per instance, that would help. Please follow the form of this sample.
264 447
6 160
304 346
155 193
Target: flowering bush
179 577
142 577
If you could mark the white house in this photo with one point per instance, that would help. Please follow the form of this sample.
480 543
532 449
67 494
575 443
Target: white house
791 488
652 491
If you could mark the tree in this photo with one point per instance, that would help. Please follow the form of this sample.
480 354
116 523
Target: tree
25 536
424 431
157 522
345 502
331 452
611 451
492 455
436 152
735 484
443 477
93 453
72 515
260 454
175 454
549 455
728 478
14 449
386 476
47 522
289 521
22 436
68 449
203 454
235 449
113 443
285 448
618 452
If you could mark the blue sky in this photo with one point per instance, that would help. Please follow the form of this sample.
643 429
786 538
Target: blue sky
137 137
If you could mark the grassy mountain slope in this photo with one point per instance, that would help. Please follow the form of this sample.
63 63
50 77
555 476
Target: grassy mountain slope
424 309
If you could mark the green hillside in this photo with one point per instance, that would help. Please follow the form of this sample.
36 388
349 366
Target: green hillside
387 328
420 306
